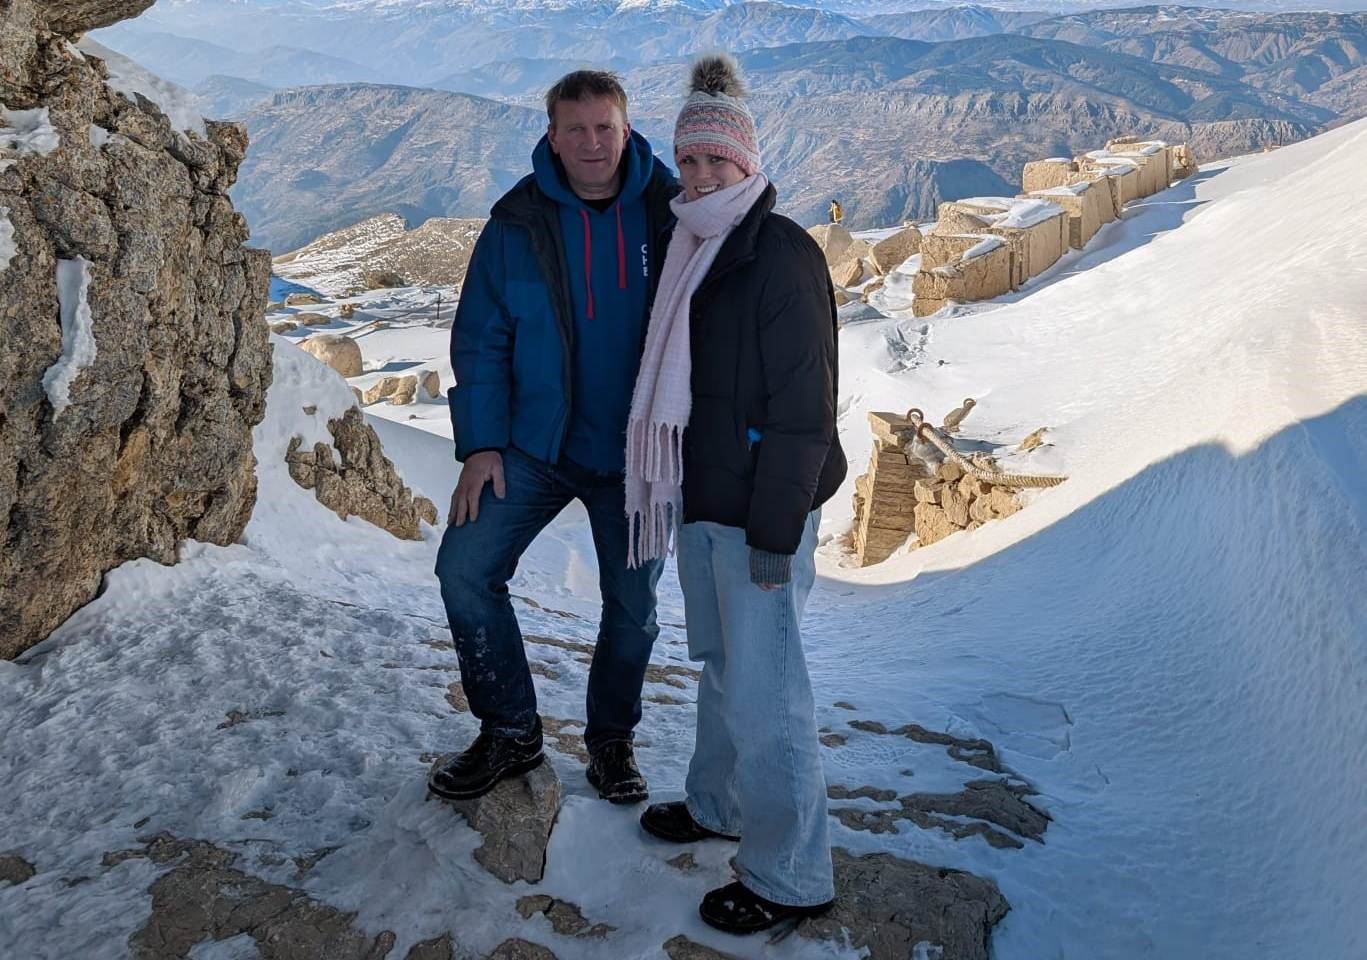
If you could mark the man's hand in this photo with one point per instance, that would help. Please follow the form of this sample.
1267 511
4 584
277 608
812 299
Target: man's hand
479 469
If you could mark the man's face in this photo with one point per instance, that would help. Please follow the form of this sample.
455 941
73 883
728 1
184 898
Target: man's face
589 136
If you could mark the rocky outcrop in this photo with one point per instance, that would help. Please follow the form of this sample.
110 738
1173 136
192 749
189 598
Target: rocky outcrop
382 252
364 484
515 820
136 359
77 16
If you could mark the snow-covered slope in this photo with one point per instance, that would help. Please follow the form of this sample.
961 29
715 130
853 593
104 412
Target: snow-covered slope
1171 646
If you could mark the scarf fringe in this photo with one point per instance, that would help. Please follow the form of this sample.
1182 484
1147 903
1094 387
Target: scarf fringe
653 535
658 449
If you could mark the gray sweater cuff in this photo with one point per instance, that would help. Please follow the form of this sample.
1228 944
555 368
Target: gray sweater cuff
766 567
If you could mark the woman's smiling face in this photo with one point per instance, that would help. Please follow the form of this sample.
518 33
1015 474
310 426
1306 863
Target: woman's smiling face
703 173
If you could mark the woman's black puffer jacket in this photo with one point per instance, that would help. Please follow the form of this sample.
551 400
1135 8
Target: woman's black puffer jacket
763 332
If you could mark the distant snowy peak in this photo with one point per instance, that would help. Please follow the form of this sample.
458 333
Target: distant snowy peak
524 6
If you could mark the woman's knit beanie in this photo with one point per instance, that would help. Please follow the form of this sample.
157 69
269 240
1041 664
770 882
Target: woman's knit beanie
714 119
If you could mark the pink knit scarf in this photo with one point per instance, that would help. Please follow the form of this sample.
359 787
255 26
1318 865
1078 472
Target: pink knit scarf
662 400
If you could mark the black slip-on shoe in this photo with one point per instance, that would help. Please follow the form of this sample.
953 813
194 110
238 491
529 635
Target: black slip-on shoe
474 772
613 773
672 821
735 908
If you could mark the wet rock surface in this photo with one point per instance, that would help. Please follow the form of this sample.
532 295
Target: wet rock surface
887 906
682 948
984 804
203 897
566 918
517 949
15 869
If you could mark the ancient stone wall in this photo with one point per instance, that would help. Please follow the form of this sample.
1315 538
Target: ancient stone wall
135 358
910 488
1064 203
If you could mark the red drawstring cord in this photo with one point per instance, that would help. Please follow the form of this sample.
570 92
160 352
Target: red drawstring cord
588 260
621 251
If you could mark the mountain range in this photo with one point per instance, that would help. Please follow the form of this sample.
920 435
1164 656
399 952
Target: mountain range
893 109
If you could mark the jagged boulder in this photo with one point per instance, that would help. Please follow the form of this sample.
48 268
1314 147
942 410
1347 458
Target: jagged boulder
364 484
136 359
340 353
834 240
515 820
301 299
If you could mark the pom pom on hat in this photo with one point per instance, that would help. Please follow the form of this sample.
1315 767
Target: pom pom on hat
715 120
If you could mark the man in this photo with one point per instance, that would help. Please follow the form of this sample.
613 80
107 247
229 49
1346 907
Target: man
837 213
545 347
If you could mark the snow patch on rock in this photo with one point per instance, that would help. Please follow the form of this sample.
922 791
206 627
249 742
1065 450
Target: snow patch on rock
78 335
128 78
25 133
7 246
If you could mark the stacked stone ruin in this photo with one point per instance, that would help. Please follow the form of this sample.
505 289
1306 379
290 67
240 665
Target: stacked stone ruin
852 262
983 247
987 246
909 488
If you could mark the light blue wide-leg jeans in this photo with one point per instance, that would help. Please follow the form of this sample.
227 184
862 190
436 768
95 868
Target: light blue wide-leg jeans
756 767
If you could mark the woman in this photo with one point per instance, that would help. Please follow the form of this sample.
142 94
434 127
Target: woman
732 431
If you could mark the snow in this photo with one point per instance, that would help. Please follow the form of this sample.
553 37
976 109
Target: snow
1070 190
25 133
1013 211
78 334
980 249
127 77
7 245
99 136
1170 645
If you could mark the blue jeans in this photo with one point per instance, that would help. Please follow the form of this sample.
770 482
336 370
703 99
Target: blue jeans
477 560
756 767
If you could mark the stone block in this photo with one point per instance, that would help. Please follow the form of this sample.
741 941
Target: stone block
847 273
927 491
979 278
890 428
931 524
949 471
891 252
955 506
1043 174
1002 502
